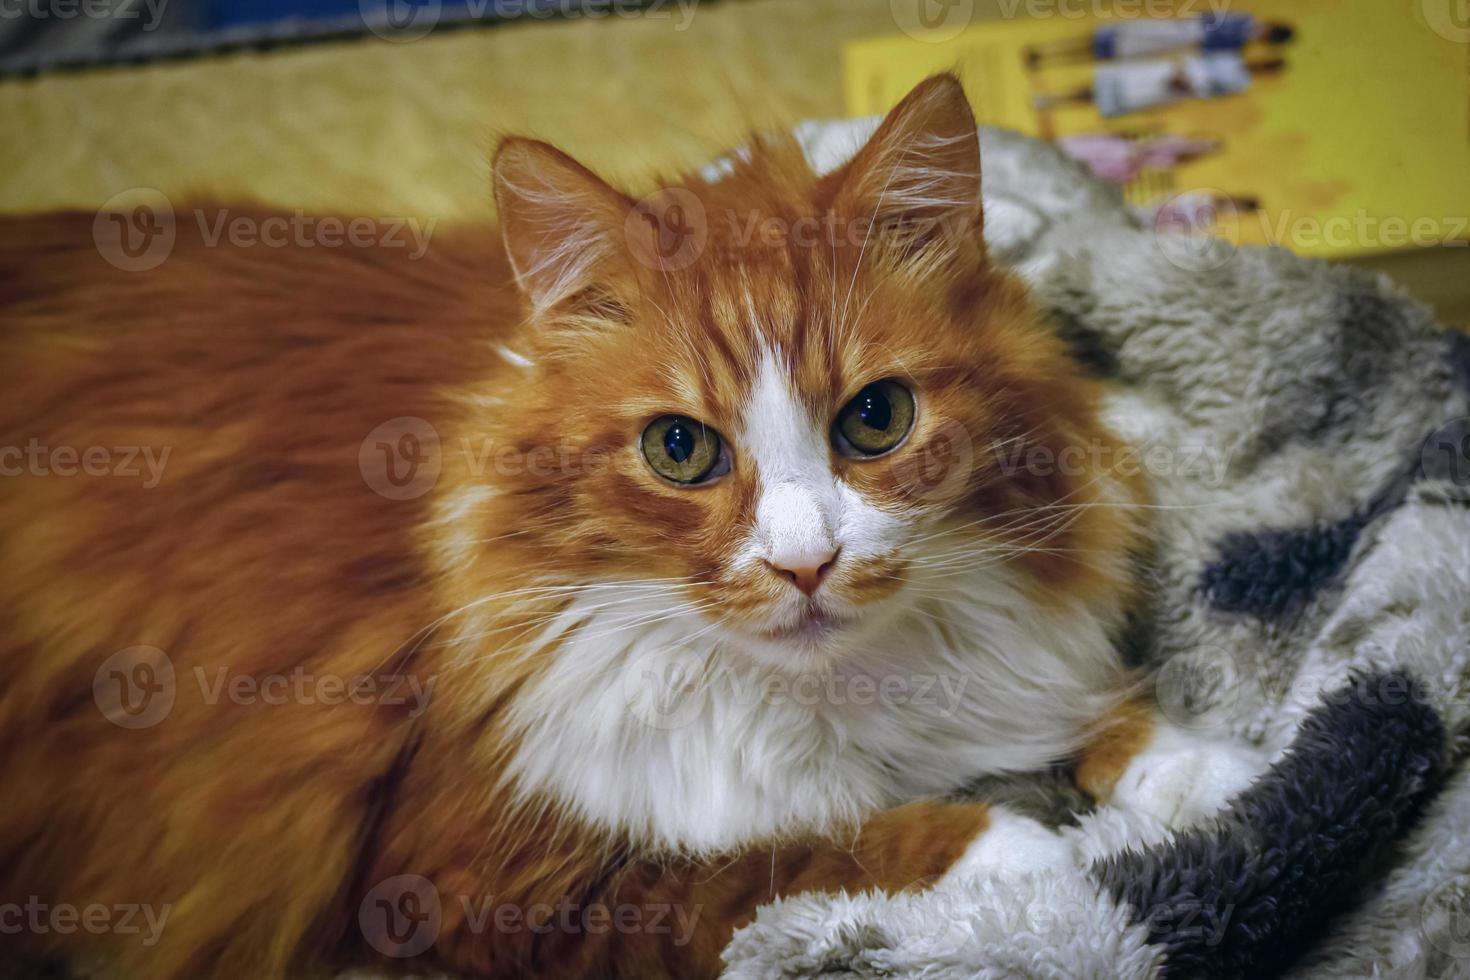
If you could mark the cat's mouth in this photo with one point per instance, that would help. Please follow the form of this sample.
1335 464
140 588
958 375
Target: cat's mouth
811 626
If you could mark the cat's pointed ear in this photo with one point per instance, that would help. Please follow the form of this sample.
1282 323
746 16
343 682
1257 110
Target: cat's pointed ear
562 225
918 178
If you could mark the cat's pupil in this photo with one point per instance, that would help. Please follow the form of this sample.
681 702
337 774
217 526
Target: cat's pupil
678 442
874 410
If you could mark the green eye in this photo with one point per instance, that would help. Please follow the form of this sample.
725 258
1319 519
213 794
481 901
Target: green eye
875 421
683 450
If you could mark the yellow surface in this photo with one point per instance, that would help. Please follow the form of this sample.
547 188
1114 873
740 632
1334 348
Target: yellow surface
1361 145
405 128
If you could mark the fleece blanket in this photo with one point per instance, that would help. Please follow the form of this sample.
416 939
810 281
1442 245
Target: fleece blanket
1306 431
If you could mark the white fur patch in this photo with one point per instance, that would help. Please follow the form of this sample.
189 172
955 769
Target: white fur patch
1014 844
514 357
648 719
1182 777
799 508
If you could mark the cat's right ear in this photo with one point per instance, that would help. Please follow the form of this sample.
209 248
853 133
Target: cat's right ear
917 179
562 226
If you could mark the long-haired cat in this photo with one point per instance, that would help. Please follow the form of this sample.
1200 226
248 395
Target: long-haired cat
547 604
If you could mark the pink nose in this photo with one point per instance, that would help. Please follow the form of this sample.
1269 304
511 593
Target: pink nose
806 575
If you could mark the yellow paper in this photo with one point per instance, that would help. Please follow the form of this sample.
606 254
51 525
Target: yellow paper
1361 144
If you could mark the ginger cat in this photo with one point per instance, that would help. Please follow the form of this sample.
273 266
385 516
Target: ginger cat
546 605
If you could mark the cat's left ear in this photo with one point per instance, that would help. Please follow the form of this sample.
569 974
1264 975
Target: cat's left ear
918 178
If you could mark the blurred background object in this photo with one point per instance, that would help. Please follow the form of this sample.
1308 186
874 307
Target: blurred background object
1356 145
42 35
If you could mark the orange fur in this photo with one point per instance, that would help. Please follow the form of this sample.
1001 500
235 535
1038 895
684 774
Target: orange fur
263 549
1120 738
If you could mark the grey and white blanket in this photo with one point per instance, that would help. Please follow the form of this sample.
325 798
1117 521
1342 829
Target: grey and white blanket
1306 430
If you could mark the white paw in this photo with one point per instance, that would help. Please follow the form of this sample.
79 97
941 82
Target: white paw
1013 844
1182 785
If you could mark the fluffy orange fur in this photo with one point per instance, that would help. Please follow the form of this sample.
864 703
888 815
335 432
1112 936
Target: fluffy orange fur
263 551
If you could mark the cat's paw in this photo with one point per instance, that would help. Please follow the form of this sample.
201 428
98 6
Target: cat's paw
1014 844
1183 782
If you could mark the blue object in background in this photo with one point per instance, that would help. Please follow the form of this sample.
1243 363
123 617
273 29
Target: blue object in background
219 14
186 28
1158 35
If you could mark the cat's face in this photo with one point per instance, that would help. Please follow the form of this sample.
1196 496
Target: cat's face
799 417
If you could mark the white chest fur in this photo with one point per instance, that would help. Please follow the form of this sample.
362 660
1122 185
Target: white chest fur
647 721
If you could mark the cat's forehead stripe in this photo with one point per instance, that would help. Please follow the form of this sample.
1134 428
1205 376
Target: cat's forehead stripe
780 435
